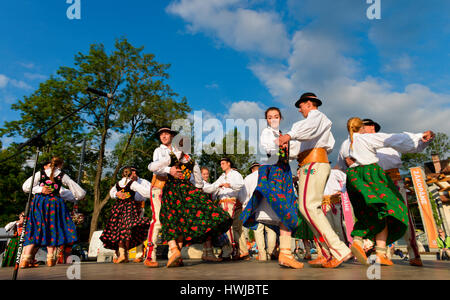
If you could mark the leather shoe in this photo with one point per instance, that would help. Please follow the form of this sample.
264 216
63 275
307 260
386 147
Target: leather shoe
151 264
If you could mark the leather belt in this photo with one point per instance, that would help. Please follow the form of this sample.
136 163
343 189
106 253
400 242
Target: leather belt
394 174
316 155
231 201
158 181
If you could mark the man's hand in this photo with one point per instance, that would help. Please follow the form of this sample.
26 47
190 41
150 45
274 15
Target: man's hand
349 161
225 185
284 139
176 172
427 136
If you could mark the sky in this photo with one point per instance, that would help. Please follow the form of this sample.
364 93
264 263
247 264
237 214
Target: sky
235 58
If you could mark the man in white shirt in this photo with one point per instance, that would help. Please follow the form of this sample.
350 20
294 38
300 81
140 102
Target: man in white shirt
160 168
140 202
390 160
314 134
226 189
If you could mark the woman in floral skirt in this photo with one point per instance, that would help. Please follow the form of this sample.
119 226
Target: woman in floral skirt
49 223
187 213
126 229
378 205
275 194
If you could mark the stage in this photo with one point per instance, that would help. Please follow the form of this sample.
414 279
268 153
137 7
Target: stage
242 270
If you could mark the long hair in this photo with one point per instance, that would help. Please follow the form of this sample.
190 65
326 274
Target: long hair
56 162
354 125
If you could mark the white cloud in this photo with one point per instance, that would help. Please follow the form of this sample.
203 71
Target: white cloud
3 81
238 27
35 76
245 110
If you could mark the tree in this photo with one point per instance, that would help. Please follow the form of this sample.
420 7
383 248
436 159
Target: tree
142 101
242 162
440 146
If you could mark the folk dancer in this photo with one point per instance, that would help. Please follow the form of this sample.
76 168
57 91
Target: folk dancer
379 207
316 142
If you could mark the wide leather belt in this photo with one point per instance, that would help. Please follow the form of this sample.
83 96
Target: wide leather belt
331 199
231 201
158 181
315 155
394 174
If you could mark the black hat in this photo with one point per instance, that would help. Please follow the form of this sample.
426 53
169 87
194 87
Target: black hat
226 159
165 129
370 123
308 97
255 164
131 167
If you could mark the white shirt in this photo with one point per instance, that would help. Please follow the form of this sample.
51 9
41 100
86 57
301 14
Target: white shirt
344 152
250 184
333 186
313 132
161 163
268 139
365 146
234 178
389 158
161 160
76 190
142 188
138 196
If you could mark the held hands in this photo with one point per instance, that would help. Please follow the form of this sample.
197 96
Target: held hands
46 190
225 185
284 139
176 172
427 136
349 161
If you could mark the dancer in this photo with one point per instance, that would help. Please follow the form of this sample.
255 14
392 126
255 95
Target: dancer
139 202
379 207
226 189
317 141
49 223
390 161
273 201
15 227
125 228
188 215
160 169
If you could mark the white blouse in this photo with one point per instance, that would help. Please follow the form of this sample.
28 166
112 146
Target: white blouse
344 152
313 132
161 163
234 178
365 146
76 190
138 196
268 139
161 160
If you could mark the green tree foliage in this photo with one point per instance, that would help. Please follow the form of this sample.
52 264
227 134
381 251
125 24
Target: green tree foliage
242 162
142 102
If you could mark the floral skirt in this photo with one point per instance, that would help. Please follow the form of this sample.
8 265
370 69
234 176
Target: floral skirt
376 203
275 185
9 258
49 222
188 212
125 225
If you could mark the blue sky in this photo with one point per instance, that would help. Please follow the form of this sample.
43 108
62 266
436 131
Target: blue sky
234 58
